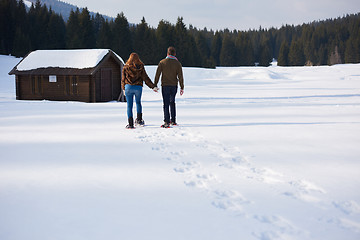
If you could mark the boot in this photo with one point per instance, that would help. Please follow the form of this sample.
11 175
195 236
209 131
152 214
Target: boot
165 125
173 122
139 120
131 123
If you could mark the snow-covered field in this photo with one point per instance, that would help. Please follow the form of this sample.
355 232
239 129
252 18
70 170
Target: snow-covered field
259 153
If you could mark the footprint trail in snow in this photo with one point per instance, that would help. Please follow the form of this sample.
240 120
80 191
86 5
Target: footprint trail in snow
208 165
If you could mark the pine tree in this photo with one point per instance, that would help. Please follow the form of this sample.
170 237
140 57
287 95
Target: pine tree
204 51
309 48
14 28
322 47
313 49
144 42
164 37
87 36
194 56
296 54
228 52
97 21
181 43
245 53
122 40
265 54
323 54
104 37
21 44
56 32
5 26
216 46
40 17
283 59
73 37
352 51
352 46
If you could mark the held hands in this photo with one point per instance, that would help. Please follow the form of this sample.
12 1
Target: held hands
156 89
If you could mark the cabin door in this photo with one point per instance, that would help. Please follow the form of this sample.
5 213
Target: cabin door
106 84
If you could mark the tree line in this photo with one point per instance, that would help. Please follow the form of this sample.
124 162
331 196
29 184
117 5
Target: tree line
331 41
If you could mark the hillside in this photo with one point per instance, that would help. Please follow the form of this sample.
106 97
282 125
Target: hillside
61 7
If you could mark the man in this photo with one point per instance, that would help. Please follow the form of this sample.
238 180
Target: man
171 70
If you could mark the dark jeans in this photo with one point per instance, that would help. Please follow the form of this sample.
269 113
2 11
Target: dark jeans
168 94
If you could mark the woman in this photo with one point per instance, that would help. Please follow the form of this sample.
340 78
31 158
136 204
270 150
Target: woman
133 76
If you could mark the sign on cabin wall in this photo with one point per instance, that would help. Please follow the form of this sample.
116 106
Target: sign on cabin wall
52 79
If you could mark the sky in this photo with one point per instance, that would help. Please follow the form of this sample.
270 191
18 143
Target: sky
222 14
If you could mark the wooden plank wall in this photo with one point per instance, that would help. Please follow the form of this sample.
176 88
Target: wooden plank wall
54 90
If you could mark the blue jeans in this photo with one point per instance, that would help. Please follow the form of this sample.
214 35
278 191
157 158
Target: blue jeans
130 92
168 94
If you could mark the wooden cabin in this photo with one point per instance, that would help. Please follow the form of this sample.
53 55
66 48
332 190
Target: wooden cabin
86 75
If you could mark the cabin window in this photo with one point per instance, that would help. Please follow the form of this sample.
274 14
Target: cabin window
71 85
52 79
36 85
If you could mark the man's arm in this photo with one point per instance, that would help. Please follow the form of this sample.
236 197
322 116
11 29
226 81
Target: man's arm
181 77
158 73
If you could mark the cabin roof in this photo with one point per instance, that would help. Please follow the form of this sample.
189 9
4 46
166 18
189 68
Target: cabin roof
64 62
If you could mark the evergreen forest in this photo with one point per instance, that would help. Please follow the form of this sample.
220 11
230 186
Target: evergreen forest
327 42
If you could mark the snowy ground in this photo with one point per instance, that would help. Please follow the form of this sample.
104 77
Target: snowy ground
259 153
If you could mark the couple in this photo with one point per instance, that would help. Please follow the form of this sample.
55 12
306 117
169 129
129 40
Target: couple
133 76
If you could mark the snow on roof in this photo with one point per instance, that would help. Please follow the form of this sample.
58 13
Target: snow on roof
81 58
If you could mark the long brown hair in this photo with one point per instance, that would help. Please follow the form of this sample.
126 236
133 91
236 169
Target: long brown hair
134 59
